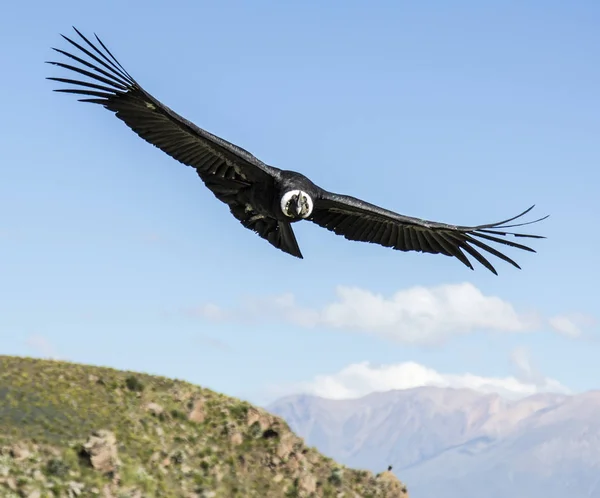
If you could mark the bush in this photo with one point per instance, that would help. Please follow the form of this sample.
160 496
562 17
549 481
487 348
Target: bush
134 384
336 477
56 467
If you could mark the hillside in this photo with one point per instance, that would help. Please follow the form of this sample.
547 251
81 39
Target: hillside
70 430
460 443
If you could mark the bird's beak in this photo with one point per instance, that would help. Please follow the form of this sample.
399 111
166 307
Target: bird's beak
299 206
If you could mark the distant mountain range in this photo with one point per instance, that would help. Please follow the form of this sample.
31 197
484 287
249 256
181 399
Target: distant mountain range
458 443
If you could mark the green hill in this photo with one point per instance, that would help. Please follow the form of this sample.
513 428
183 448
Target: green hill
69 430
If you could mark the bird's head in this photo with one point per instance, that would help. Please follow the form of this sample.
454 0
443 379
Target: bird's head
296 204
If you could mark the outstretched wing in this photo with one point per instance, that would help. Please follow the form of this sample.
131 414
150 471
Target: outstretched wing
117 91
361 221
226 169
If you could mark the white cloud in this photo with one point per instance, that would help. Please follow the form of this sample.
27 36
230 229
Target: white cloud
42 346
418 315
570 325
359 379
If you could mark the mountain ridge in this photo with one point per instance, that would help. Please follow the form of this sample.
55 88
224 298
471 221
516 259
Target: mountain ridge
460 442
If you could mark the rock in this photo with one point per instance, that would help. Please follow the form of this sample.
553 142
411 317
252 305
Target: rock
286 445
36 493
106 492
307 483
394 487
197 413
236 438
55 452
263 418
293 464
101 450
19 451
10 482
155 409
75 488
312 457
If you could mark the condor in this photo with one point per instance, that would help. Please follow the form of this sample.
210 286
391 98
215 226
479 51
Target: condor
266 199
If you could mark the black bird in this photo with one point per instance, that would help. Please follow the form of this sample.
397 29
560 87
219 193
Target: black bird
263 198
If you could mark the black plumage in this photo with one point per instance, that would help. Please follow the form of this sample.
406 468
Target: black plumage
263 198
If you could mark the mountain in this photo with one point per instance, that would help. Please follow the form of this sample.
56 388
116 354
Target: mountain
458 443
69 430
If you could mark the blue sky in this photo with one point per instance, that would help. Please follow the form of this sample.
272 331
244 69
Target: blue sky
112 253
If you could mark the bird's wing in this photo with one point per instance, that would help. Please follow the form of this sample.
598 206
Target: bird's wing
225 168
361 221
115 89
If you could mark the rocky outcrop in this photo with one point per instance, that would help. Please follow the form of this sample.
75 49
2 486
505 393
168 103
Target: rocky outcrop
197 412
101 451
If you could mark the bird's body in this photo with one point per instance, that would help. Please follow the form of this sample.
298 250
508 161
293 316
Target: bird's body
266 199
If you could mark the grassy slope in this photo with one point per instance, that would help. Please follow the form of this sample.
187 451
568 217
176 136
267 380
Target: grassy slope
48 409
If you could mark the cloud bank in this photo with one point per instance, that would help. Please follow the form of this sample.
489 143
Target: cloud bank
359 379
418 315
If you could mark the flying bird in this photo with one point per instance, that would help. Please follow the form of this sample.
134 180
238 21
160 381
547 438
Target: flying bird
266 199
